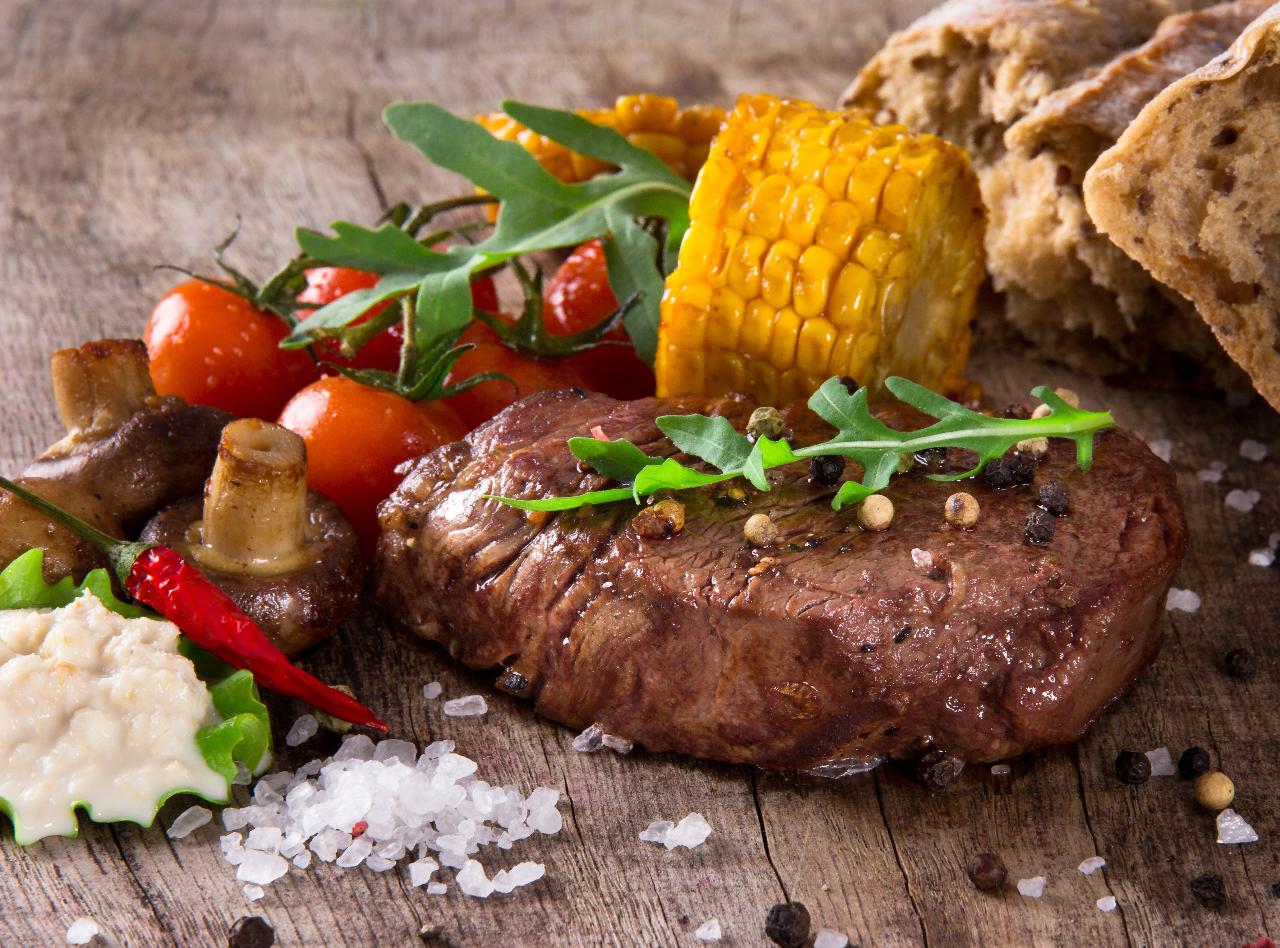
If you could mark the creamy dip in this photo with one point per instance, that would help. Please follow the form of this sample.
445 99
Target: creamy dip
96 709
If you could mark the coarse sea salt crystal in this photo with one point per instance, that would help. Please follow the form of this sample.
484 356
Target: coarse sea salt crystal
1032 888
266 838
656 832
1107 903
1091 865
261 868
1212 474
1233 829
1000 770
82 931
472 880
1184 600
1242 500
253 892
302 731
1161 762
589 741
1262 557
466 707
708 930
432 690
420 872
188 821
826 938
1161 448
1252 450
436 888
692 831
619 745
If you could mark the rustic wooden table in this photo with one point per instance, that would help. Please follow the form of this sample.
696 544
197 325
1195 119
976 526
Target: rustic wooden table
137 133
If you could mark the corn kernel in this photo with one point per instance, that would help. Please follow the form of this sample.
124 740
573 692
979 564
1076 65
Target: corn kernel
874 251
778 272
645 113
688 327
713 189
793 386
762 381
867 181
898 199
808 202
757 327
744 265
841 353
814 272
813 347
726 372
782 344
768 204
724 325
810 161
700 250
853 297
838 228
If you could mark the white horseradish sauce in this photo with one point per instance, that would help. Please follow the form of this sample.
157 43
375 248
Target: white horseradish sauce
96 709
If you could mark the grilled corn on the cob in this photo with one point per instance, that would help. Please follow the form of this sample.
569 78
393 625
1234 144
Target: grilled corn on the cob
822 245
680 137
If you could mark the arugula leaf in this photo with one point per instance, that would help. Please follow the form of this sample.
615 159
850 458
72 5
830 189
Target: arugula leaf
537 212
713 439
876 447
618 460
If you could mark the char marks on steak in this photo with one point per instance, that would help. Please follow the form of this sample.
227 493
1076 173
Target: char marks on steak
833 644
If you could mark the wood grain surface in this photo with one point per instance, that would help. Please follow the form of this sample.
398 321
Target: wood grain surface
138 133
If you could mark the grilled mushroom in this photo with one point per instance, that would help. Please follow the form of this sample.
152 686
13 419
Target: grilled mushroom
127 452
285 555
134 450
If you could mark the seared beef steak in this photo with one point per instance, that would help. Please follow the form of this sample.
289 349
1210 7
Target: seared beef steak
833 643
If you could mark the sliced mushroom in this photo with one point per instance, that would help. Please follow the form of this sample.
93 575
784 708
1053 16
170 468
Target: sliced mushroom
134 450
285 555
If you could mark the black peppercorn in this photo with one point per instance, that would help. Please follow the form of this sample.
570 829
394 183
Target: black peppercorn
252 931
987 872
826 469
512 681
1240 663
937 769
1132 767
1018 410
1052 496
1039 527
1193 762
1012 470
787 924
1208 889
849 382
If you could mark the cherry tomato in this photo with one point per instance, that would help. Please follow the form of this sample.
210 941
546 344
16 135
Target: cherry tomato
213 347
326 284
491 354
357 435
578 297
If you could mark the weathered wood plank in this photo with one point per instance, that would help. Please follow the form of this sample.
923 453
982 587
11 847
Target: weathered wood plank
138 133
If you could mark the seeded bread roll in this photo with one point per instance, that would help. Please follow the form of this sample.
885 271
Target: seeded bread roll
1190 191
1039 90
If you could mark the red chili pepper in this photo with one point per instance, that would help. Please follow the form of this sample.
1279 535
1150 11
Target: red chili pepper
160 578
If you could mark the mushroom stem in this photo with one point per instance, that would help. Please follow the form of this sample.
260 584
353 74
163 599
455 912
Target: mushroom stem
255 504
100 385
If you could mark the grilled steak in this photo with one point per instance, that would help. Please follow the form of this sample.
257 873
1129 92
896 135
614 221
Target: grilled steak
832 644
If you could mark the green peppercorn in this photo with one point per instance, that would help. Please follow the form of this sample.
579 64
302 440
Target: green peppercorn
765 422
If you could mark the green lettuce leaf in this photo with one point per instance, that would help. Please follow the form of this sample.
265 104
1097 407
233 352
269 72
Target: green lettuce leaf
243 736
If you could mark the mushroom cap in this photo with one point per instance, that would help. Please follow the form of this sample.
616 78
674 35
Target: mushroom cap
295 609
160 454
65 554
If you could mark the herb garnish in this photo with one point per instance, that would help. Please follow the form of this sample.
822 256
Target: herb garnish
859 435
537 212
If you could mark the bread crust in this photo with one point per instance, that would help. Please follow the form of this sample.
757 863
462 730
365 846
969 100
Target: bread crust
1189 191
